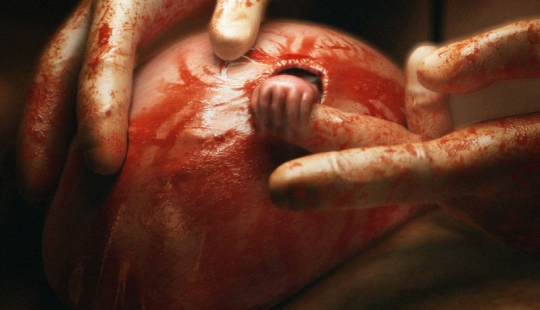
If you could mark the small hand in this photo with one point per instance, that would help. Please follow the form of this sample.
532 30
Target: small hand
235 26
510 52
283 103
488 172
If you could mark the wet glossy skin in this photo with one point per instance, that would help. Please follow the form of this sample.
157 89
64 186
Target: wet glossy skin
486 171
84 79
188 221
507 52
283 103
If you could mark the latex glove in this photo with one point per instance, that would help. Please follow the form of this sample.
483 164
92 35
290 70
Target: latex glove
489 172
90 61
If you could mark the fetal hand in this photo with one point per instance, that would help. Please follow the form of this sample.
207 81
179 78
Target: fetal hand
282 104
488 172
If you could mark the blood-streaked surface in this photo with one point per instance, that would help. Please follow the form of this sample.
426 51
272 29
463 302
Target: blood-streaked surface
504 53
187 223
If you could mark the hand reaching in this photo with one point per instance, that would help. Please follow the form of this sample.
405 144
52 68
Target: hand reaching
90 61
509 52
489 171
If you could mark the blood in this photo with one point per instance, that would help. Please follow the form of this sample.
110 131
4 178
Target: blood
189 219
105 33
230 175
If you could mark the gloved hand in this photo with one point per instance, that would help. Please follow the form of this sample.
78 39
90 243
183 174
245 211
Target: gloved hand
488 172
90 61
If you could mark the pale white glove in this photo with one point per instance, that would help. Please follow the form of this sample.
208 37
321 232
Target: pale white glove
489 172
90 61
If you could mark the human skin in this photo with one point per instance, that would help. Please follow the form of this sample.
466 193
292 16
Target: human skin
80 268
90 61
460 264
513 262
188 221
486 172
283 103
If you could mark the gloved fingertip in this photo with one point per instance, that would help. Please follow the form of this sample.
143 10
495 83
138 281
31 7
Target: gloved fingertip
234 28
103 146
288 192
102 160
289 198
229 46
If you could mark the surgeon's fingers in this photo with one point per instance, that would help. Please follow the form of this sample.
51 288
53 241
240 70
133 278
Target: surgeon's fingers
306 105
282 103
331 129
512 51
117 30
105 84
461 163
353 178
48 119
235 26
427 112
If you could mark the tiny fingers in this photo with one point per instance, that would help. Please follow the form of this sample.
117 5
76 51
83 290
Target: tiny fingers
512 51
235 26
427 112
283 103
254 103
477 161
277 108
309 96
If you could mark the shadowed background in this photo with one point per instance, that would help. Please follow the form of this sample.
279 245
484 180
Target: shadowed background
393 26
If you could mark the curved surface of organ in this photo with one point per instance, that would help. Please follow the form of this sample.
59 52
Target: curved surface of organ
187 223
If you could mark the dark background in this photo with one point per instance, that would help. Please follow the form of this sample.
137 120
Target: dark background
27 25
25 28
393 26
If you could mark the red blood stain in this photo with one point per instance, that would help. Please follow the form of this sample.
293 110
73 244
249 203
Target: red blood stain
189 217
104 35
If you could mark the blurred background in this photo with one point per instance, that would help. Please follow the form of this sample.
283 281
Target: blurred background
392 26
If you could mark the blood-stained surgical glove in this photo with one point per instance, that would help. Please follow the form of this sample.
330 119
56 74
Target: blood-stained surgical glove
90 61
488 172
